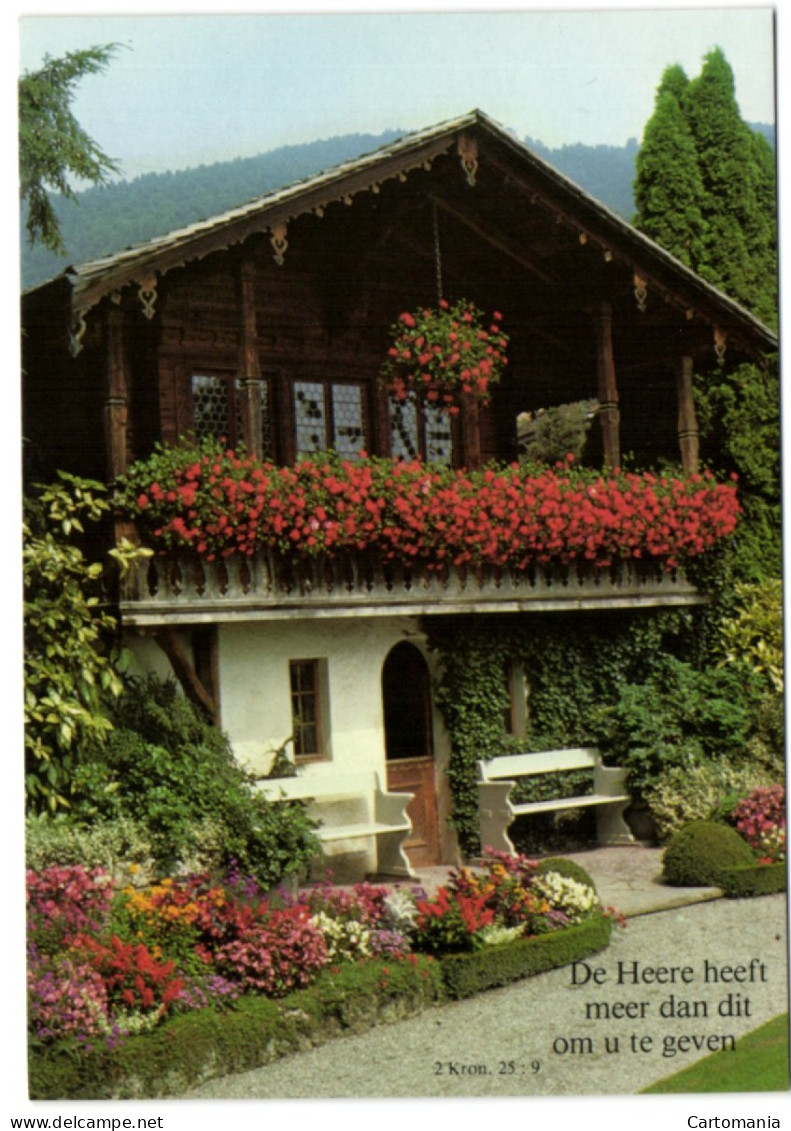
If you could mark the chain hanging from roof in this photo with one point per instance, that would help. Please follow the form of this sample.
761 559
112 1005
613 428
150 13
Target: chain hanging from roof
437 249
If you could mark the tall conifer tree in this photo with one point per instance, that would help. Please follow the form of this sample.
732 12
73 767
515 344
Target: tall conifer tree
53 146
706 191
737 254
668 189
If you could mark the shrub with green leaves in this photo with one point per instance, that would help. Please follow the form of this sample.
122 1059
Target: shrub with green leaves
679 715
69 670
753 637
703 852
693 790
170 770
111 844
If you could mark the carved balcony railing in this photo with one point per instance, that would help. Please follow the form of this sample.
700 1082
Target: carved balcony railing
181 587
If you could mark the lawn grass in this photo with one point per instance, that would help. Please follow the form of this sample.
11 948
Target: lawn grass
759 1063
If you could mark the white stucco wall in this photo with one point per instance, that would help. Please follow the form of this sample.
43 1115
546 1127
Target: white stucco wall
255 701
254 686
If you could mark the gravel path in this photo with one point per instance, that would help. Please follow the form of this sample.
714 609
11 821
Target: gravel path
533 1038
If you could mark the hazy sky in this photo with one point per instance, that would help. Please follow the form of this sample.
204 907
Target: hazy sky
191 89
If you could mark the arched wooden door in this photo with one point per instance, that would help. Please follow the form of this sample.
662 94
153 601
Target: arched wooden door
406 698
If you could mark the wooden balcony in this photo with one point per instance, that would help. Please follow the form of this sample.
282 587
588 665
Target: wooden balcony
181 588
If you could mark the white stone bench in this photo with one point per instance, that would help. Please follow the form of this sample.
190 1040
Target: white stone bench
351 808
499 775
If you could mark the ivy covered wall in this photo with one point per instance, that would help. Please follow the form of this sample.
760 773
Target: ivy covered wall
574 664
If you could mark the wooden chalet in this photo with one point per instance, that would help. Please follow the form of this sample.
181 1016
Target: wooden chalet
269 324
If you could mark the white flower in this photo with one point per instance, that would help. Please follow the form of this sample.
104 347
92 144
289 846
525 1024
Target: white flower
495 934
343 938
401 910
574 899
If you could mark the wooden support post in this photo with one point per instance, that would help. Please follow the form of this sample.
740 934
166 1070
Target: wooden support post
116 404
688 433
609 412
249 362
116 410
471 435
185 672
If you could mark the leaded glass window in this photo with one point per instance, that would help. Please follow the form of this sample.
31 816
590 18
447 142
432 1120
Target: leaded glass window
212 407
347 416
217 410
420 431
439 437
328 415
404 429
310 417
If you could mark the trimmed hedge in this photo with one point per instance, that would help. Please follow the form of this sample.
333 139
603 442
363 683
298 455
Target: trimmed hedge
191 1048
710 852
753 879
469 973
703 852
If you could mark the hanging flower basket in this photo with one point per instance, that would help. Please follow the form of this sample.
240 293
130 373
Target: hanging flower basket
446 356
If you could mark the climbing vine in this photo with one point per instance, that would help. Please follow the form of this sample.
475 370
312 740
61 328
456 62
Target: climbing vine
573 668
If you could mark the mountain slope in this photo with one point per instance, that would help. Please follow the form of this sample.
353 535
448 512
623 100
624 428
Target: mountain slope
109 218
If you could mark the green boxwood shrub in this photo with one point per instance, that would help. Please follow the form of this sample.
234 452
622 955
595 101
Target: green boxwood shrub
470 972
701 853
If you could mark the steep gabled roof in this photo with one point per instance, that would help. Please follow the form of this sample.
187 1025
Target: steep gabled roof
142 265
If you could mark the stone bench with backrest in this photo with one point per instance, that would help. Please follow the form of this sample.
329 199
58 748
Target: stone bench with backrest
351 808
498 776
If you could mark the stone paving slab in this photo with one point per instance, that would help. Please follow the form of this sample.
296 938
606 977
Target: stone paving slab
629 878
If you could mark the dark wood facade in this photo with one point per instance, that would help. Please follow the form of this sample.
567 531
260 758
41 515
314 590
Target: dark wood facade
270 324
283 309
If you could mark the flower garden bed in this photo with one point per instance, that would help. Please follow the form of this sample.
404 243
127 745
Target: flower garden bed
146 992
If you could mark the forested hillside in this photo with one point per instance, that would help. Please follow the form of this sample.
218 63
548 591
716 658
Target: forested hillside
108 218
605 171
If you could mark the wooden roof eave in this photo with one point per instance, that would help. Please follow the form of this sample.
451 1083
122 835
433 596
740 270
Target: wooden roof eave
659 268
91 282
571 205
